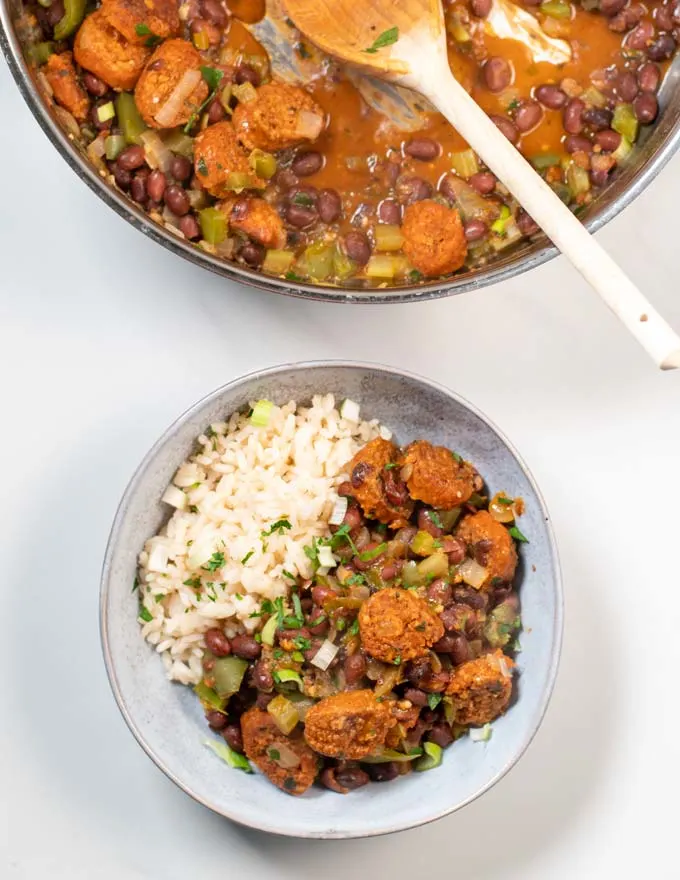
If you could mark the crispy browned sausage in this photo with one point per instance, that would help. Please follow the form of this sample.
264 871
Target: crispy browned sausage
281 116
348 725
396 625
262 742
105 52
377 486
436 477
480 689
144 22
434 240
489 542
259 220
220 163
171 88
61 75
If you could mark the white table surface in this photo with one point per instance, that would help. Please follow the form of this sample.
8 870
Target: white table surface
105 338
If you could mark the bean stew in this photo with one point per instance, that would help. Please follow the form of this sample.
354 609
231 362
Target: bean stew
292 168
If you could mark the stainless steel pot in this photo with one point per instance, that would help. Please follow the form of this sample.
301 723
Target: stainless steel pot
654 149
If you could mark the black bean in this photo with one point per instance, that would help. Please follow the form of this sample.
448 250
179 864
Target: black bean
441 735
246 647
94 85
424 149
190 227
329 205
307 163
551 97
217 643
177 200
383 772
233 737
216 111
122 177
216 720
641 36
246 73
252 253
528 115
131 158
301 217
572 116
497 74
416 696
646 107
663 16
626 86
484 182
475 230
508 127
597 118
181 168
358 249
608 140
576 143
648 77
351 777
480 8
439 591
138 188
609 8
354 668
461 652
526 224
261 677
468 596
214 12
389 211
155 185
412 189
446 644
55 12
662 48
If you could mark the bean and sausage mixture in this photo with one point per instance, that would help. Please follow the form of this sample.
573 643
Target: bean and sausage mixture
177 105
400 643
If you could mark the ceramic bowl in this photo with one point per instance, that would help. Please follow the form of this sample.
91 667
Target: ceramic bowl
167 719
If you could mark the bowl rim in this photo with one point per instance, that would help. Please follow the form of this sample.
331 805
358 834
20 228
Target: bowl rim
107 576
539 252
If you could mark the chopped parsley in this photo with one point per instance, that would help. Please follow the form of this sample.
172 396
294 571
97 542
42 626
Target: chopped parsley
506 501
355 579
373 553
287 574
301 643
354 628
193 508
278 527
274 754
289 783
436 519
397 660
143 30
390 465
340 625
513 105
194 582
302 199
297 607
455 456
517 535
248 555
159 597
135 584
202 167
215 562
292 276
433 700
317 620
213 78
145 614
414 275
386 38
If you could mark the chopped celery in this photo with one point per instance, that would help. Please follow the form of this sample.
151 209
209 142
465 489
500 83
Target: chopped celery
388 237
625 122
278 262
74 12
228 673
623 150
449 518
201 40
431 759
284 713
594 97
464 163
385 755
410 576
40 52
556 9
423 544
244 93
269 631
434 566
129 120
544 160
263 164
287 676
316 261
578 179
261 414
114 146
343 267
213 225
562 191
222 750
381 267
209 697
178 142
498 226
225 97
106 111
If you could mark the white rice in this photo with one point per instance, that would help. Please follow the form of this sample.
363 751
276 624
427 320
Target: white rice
240 482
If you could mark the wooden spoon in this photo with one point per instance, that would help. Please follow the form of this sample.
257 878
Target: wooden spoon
404 41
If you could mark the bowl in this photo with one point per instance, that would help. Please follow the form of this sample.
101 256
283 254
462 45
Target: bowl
167 718
656 146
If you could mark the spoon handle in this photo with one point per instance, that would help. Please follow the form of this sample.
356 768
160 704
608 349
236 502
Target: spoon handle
555 219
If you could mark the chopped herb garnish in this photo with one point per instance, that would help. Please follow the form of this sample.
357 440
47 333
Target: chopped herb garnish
456 457
213 78
193 508
433 700
517 535
414 275
506 501
297 607
258 638
248 555
135 584
390 465
373 553
341 536
436 519
274 754
301 643
202 167
237 596
386 38
397 660
278 653
194 582
513 105
143 30
278 527
159 597
317 620
293 276
216 561
420 627
340 624
355 579
287 574
145 614
437 545
303 199
289 783
354 628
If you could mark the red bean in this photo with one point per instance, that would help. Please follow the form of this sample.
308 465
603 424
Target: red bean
484 182
597 118
439 591
55 12
608 140
321 594
424 149
214 12
233 737
528 115
329 205
246 647
646 108
94 85
181 168
461 651
508 128
246 73
354 668
427 524
412 189
189 227
475 230
609 8
663 16
525 223
131 158
217 643
480 8
441 735
416 696
177 200
216 112
260 677
122 177
455 549
662 48
307 163
626 86
357 247
574 143
649 77
155 185
360 565
551 97
445 645
641 36
138 188
389 211
216 720
300 217
392 569
252 254
572 116
497 74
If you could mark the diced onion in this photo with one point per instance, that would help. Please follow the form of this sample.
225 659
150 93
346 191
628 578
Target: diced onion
480 734
350 411
309 125
261 413
287 759
158 558
201 552
326 558
472 573
339 511
174 497
168 112
385 433
96 152
156 152
325 655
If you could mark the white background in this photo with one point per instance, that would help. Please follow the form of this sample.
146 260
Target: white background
105 338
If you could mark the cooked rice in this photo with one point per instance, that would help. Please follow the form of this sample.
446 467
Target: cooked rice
240 482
